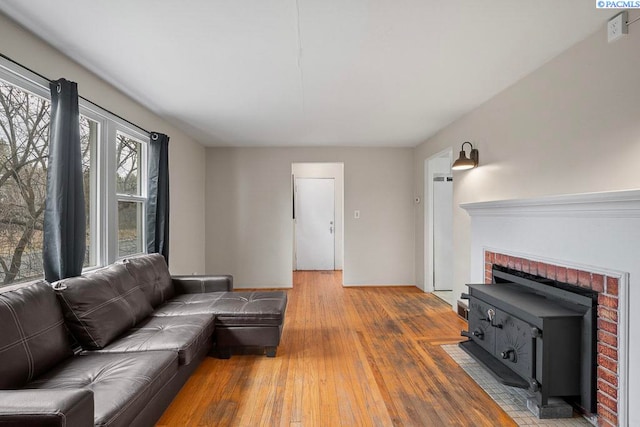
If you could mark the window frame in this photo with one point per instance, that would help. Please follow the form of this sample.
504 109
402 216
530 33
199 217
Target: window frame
24 79
96 172
33 84
143 191
104 203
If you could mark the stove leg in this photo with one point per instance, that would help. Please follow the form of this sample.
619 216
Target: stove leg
555 408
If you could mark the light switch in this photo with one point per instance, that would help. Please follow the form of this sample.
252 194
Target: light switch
356 214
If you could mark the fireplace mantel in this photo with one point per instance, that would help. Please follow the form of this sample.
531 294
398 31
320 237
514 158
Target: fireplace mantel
618 204
594 232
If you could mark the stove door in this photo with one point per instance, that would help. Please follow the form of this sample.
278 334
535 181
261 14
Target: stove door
514 344
479 327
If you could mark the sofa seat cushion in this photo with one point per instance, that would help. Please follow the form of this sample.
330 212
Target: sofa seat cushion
152 274
122 383
33 338
262 308
185 335
46 408
100 305
188 304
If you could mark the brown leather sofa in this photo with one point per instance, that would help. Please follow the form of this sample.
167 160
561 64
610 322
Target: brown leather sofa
114 346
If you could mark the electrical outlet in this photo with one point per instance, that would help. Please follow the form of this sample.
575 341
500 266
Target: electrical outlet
617 26
356 214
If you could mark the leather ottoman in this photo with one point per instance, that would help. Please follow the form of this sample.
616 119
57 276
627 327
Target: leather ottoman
242 319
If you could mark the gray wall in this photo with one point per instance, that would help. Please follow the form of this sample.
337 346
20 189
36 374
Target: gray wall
572 126
186 156
249 229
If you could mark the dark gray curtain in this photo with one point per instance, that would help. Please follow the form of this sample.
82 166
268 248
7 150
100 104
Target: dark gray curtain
64 239
158 191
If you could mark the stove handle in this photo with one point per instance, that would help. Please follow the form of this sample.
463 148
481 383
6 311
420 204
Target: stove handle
510 355
475 334
491 314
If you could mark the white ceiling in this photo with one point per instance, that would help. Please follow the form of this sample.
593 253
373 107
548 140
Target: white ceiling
310 72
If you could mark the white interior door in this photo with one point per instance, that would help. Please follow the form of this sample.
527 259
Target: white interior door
315 223
442 233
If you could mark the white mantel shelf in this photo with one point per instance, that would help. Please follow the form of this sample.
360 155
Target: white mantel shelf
610 204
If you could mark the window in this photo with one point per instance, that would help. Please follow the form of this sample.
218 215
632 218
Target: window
114 181
130 195
24 149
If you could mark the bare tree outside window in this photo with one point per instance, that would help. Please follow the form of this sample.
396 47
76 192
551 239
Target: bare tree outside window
129 189
24 143
128 155
24 150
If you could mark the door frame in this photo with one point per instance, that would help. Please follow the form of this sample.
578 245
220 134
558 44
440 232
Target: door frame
430 171
311 169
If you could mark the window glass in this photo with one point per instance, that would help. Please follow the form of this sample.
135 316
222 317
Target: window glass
130 194
129 228
24 147
127 173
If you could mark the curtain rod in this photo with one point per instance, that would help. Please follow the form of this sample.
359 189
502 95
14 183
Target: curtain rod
79 96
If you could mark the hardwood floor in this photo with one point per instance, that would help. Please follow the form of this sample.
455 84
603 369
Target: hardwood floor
348 357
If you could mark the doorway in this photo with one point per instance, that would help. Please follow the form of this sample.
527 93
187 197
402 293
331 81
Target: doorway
317 196
315 223
442 232
439 226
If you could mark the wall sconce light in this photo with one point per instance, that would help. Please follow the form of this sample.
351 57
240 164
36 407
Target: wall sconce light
464 163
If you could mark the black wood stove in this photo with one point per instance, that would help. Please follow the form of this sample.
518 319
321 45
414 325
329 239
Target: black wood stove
535 333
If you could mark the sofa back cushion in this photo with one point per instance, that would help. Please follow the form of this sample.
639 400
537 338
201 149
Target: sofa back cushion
33 337
102 304
152 274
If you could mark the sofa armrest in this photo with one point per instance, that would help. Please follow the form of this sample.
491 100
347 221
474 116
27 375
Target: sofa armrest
203 284
46 408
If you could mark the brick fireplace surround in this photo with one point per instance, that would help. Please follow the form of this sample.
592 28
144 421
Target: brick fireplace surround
607 324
